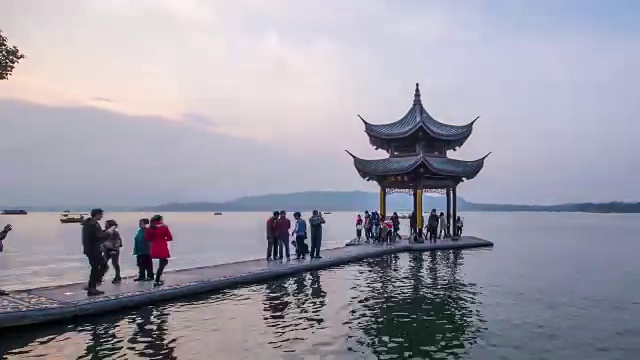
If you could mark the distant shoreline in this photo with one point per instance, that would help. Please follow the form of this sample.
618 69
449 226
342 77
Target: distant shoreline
355 201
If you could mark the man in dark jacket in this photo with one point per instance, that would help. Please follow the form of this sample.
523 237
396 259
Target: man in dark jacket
315 224
432 225
92 238
272 239
283 225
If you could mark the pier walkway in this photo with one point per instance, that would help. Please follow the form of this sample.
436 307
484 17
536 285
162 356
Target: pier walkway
69 301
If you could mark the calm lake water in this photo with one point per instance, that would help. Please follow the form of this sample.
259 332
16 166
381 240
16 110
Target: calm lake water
555 286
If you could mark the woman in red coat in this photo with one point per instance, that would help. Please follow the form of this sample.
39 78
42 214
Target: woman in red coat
158 235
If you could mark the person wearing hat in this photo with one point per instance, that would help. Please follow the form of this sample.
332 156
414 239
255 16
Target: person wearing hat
92 238
111 248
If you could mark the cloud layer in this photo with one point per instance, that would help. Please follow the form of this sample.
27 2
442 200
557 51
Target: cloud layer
555 86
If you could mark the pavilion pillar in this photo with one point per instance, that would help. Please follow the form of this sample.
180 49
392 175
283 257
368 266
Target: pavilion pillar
383 203
454 194
415 202
448 230
419 216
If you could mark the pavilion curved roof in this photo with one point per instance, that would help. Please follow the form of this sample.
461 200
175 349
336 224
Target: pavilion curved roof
417 117
440 165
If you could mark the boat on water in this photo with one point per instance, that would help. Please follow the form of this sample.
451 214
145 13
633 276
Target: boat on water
217 213
72 218
14 212
326 213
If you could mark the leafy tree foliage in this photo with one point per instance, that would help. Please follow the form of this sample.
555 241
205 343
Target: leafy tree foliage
10 56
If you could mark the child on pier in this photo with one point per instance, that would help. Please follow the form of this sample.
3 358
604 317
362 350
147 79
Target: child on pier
142 251
158 235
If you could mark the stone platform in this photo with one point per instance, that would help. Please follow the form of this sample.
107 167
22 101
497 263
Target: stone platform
69 301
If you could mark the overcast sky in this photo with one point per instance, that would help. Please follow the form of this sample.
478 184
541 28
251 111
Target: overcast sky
149 101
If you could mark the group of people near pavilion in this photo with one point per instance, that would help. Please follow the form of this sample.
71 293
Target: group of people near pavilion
278 235
379 230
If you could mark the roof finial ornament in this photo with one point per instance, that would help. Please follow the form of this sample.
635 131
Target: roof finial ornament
416 96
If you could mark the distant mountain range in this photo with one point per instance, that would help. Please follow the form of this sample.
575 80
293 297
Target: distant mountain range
360 201
350 201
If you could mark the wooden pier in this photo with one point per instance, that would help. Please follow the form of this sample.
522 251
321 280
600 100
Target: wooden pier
57 303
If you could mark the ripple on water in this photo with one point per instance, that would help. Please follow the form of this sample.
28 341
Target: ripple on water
396 307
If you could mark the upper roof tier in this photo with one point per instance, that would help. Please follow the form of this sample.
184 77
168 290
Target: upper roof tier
418 118
439 165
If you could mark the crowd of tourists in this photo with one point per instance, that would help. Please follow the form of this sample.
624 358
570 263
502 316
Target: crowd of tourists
379 230
102 246
278 236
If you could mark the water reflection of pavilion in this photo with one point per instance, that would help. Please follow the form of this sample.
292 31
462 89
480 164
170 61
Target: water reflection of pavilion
424 311
403 306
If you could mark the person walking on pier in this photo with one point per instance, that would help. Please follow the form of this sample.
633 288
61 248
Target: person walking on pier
283 225
111 248
3 235
442 223
395 221
92 238
272 239
159 235
413 225
375 226
359 228
300 233
432 226
367 226
459 225
315 222
142 251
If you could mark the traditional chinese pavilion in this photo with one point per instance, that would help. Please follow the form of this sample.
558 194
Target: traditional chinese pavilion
418 161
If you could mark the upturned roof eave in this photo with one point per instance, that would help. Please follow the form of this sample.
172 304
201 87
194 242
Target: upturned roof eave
423 159
372 130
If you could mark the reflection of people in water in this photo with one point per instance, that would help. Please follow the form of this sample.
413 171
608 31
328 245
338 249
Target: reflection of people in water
103 339
276 300
307 298
151 323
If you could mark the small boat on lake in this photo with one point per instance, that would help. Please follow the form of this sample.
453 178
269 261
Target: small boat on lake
14 212
71 218
217 213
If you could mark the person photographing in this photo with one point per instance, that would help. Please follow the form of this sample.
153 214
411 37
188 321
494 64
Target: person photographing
3 235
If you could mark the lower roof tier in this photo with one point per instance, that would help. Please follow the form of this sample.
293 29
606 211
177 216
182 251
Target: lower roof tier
438 165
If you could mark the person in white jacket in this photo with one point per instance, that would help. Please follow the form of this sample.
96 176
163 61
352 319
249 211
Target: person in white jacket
442 223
